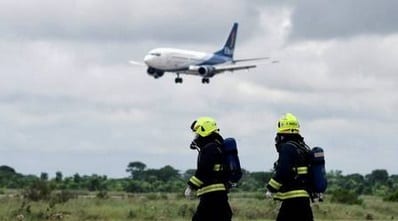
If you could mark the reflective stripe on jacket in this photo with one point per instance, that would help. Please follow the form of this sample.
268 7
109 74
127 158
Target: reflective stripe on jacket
291 194
211 188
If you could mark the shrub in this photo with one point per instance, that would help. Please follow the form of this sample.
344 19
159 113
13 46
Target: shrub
157 196
131 214
185 210
39 190
346 197
393 197
62 196
102 194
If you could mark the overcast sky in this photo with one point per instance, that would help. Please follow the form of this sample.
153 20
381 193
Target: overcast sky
71 102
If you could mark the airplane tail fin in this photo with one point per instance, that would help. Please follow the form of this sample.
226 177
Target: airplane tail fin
228 49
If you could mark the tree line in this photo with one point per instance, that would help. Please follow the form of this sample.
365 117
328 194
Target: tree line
141 179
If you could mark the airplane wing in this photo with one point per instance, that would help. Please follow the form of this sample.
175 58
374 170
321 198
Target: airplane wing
137 63
222 68
250 59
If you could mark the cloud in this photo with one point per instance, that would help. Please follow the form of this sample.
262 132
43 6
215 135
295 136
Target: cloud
123 21
325 20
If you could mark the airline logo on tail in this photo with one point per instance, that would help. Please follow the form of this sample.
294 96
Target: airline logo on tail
229 48
228 51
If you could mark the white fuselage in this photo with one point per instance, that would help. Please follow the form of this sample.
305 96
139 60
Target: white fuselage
170 59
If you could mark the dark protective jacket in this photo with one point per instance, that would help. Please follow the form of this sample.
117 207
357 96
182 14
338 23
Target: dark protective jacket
290 179
208 176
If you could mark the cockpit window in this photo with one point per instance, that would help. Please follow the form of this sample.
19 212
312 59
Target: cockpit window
155 54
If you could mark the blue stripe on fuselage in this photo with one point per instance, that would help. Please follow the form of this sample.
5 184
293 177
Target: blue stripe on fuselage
216 59
175 70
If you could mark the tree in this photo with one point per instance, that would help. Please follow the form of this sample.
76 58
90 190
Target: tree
354 182
44 176
261 177
168 173
378 176
379 182
135 169
58 177
96 183
7 170
8 177
77 178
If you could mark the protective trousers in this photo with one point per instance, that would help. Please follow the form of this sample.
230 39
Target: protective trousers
295 209
213 206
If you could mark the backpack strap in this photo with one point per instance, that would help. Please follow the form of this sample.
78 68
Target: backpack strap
300 145
219 167
303 150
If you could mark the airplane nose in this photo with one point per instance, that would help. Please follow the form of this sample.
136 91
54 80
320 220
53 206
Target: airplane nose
148 59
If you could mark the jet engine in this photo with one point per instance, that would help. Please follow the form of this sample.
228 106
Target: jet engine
154 73
205 71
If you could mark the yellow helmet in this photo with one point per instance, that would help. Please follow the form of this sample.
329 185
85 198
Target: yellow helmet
204 126
288 124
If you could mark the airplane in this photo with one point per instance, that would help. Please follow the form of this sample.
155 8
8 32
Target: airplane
205 65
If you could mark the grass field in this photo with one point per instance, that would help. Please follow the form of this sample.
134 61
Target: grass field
173 207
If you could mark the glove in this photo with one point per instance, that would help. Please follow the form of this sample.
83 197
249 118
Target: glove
269 195
188 192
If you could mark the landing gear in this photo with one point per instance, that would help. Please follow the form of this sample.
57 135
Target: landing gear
205 80
178 79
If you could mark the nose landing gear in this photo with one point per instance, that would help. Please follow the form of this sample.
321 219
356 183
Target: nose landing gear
178 79
205 80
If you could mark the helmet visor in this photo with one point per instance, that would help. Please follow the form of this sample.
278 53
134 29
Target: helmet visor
194 127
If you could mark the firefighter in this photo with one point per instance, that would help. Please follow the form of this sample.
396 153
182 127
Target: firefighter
208 179
290 180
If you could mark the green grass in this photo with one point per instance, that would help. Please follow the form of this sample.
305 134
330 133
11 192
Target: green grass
173 207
